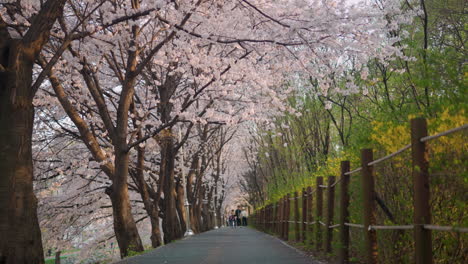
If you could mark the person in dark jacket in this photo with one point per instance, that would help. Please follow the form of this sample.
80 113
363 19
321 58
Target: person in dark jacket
232 219
238 215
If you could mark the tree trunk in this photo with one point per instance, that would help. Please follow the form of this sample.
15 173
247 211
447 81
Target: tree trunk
206 218
150 206
198 209
153 213
124 225
57 257
171 223
194 219
191 196
156 236
19 226
180 203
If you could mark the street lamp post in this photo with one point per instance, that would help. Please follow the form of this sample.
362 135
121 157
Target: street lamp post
216 220
215 216
189 231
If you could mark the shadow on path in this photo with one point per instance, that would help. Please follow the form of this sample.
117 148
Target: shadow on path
224 246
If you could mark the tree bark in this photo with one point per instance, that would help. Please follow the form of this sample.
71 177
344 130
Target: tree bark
191 195
124 225
180 203
172 230
19 226
57 257
151 206
21 236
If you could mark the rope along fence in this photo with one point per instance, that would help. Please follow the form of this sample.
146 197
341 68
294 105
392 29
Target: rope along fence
276 217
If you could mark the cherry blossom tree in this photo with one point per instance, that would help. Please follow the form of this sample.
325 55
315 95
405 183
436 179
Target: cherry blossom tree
18 217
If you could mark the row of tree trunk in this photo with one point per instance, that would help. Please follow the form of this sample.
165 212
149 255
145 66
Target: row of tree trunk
18 203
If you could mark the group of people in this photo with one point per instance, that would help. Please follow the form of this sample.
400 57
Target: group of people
237 218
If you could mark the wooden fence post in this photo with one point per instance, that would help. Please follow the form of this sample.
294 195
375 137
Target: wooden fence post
288 216
310 214
267 218
422 209
283 217
275 219
330 213
304 215
262 219
283 204
343 254
318 232
278 218
369 206
270 217
297 229
57 257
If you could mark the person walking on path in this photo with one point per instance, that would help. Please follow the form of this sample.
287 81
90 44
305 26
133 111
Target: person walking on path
244 218
232 219
238 215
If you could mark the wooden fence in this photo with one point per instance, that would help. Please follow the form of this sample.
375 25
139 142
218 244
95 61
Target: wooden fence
276 217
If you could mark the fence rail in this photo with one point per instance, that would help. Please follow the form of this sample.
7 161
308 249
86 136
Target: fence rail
276 217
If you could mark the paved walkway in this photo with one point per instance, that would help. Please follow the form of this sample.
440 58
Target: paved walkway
224 246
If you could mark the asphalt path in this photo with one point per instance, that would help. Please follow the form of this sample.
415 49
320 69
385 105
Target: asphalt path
224 246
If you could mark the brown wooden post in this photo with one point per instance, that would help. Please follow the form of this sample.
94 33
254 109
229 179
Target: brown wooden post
369 206
271 217
283 218
319 203
256 218
269 221
304 215
310 214
278 219
57 257
288 216
297 229
421 183
343 253
261 218
330 214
